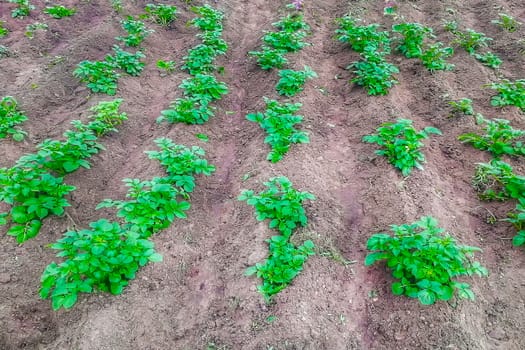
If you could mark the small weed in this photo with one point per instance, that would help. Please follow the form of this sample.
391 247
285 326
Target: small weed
32 28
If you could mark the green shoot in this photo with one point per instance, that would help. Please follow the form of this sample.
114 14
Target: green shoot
292 82
10 117
59 11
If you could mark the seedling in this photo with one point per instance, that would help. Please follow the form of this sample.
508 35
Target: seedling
374 73
463 106
116 5
362 38
435 56
187 110
281 203
496 180
126 61
162 14
500 138
23 9
401 144
204 88
59 11
3 30
510 93
424 260
413 35
282 266
279 121
489 59
10 117
292 82
269 58
506 22
471 40
99 76
136 30
291 23
32 28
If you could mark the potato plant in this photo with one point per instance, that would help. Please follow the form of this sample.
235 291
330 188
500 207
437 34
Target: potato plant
489 59
435 56
209 19
462 106
361 37
100 76
278 121
401 144
412 38
425 260
10 118
200 60
3 30
126 61
496 180
510 93
374 73
162 14
187 110
269 58
292 82
23 8
507 22
204 88
59 11
136 32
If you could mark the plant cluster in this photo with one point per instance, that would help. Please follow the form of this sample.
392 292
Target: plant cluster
289 38
108 255
373 71
425 260
167 66
202 87
162 14
500 138
136 32
23 8
412 37
435 57
283 205
507 22
401 144
59 11
10 117
3 30
292 81
510 93
472 41
32 28
34 186
462 106
278 121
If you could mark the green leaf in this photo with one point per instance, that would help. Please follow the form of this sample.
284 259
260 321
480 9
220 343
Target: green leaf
155 257
397 288
373 257
426 297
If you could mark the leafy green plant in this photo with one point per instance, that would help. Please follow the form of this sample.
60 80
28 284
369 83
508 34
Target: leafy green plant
509 93
3 30
104 257
500 138
32 28
462 106
126 61
116 5
23 8
282 266
374 73
278 121
292 23
435 56
187 110
292 82
136 30
471 40
10 117
204 88
151 207
200 59
210 19
425 260
281 203
285 41
496 180
451 26
100 76
413 35
59 11
181 163
213 39
401 144
362 38
163 14
489 59
517 218
269 58
166 66
507 22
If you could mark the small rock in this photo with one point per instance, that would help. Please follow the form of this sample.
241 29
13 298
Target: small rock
498 333
5 278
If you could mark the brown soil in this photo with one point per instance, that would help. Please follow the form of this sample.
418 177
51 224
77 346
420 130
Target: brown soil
198 298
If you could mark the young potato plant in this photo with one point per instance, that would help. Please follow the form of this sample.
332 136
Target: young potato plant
282 266
507 22
167 66
210 19
33 27
489 59
292 82
291 23
200 60
425 260
517 218
413 35
162 14
213 39
269 58
23 8
3 30
181 163
102 258
463 106
278 121
434 57
126 61
361 38
203 87
151 205
10 117
496 180
500 138
281 203
100 76
136 30
471 40
187 110
509 93
401 144
31 188
59 11
374 73
285 41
